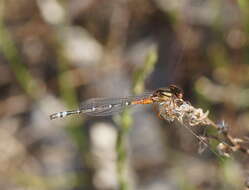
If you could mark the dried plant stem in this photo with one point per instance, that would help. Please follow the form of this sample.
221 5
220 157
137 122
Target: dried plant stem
233 144
176 109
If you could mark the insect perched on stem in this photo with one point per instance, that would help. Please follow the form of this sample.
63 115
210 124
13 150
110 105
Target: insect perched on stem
169 101
110 106
171 107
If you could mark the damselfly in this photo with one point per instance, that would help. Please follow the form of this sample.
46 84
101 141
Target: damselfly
110 106
169 100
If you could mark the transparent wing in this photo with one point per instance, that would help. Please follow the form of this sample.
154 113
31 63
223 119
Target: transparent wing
109 106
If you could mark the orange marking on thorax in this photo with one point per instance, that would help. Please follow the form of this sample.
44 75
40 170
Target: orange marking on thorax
143 101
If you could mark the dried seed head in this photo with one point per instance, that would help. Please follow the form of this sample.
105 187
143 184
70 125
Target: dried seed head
183 112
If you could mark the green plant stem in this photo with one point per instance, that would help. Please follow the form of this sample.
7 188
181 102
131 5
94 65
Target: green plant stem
125 120
141 74
69 96
125 123
23 76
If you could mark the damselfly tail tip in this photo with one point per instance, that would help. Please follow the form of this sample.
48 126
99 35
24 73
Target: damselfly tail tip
53 116
64 114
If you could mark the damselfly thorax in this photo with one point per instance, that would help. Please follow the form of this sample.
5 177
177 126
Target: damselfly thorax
110 106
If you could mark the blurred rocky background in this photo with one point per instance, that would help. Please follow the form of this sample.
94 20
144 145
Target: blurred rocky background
55 54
